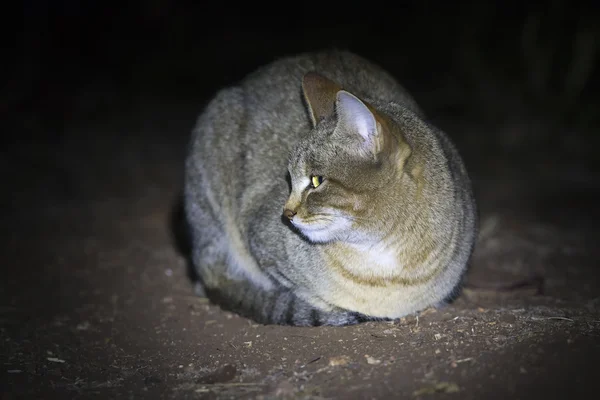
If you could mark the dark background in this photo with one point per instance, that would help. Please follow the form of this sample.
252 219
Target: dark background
500 64
489 60
98 100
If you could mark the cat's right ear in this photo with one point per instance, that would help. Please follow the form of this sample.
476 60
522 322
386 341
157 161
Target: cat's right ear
320 95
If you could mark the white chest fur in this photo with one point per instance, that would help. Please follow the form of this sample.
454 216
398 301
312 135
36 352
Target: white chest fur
374 280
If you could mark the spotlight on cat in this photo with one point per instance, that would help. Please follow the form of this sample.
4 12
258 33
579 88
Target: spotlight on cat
318 193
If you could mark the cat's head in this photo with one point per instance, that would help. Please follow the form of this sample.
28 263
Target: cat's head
345 171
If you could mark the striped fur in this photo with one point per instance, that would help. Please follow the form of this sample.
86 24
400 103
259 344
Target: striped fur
388 232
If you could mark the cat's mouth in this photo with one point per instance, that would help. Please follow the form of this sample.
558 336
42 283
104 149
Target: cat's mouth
310 226
313 228
316 234
320 229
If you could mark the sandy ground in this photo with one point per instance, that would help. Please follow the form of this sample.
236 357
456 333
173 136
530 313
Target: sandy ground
96 301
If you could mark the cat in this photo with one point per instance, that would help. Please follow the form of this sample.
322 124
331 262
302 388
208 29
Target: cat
316 193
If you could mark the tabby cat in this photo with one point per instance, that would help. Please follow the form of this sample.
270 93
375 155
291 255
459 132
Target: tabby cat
316 193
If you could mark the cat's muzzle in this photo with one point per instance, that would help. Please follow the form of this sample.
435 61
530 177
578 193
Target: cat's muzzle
289 214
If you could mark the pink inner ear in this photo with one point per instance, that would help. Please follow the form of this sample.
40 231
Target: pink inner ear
355 115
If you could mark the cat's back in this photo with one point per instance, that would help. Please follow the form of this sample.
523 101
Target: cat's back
278 86
269 102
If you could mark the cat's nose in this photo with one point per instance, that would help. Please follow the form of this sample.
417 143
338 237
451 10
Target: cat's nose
289 214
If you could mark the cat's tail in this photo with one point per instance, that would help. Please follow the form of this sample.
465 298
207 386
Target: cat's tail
278 306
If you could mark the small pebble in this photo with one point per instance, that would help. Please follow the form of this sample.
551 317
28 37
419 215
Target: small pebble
339 360
372 361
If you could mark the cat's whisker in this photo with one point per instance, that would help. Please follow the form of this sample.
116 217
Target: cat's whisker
318 220
354 218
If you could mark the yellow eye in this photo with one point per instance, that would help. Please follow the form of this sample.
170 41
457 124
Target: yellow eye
316 181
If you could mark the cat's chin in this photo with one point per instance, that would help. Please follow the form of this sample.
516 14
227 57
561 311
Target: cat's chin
322 234
318 235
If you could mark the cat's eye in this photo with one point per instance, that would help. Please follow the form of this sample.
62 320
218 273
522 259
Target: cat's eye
315 181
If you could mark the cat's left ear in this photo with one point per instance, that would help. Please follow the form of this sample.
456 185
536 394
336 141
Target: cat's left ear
319 93
356 118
